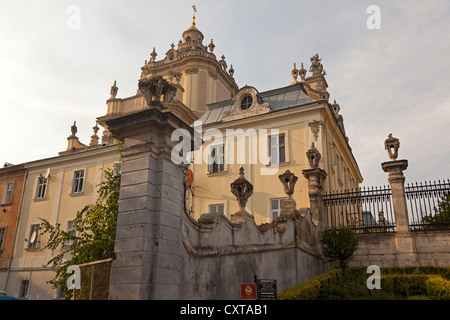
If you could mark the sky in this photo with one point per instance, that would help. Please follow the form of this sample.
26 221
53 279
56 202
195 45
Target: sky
58 60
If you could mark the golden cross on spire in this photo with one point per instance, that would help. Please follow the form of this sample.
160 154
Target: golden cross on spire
193 17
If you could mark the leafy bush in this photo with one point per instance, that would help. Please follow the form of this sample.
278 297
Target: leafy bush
438 288
420 283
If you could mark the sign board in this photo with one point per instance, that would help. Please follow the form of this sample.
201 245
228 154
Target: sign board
267 289
248 291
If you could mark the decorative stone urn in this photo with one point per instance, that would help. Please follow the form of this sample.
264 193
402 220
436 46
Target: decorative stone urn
313 156
242 190
288 209
392 145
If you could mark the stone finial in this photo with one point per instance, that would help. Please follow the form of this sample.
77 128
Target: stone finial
73 142
392 145
211 46
242 190
223 63
313 156
336 108
114 90
302 72
288 179
157 91
294 73
94 137
231 71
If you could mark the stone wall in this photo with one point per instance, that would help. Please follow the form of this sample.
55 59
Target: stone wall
419 248
220 255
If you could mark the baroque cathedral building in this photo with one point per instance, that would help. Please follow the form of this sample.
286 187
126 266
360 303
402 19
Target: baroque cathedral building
243 131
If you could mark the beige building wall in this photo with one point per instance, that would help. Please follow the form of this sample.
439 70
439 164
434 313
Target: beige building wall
214 188
59 205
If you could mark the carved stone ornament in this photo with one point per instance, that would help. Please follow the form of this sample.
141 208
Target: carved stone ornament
316 67
288 179
392 145
157 91
315 128
242 190
313 156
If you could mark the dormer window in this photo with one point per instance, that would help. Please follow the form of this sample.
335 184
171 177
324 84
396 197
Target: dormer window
246 103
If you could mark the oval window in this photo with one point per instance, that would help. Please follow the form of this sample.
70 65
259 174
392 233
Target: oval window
246 102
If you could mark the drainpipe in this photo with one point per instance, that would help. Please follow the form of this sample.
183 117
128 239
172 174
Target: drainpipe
17 227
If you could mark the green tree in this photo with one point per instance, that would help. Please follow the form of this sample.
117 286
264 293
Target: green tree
92 237
441 218
339 245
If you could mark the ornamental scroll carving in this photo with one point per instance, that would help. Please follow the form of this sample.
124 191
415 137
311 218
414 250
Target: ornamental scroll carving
315 128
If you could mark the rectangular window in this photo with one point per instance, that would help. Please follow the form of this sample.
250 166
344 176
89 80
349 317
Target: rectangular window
78 181
7 193
216 159
33 239
277 147
69 228
216 208
41 188
23 289
2 237
275 207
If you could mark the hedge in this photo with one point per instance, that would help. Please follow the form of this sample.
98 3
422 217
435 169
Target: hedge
396 282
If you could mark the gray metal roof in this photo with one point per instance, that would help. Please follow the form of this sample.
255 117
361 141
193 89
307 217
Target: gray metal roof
278 99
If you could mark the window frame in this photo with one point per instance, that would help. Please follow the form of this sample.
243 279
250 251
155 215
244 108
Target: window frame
69 227
75 186
246 102
280 201
277 147
3 231
9 192
217 205
220 166
24 288
39 185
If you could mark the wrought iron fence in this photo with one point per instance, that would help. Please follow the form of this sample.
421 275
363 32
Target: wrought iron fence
366 210
429 205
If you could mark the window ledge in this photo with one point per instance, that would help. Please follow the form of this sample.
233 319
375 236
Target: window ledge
76 194
221 173
281 164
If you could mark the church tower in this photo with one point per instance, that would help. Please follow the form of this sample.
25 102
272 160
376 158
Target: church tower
191 67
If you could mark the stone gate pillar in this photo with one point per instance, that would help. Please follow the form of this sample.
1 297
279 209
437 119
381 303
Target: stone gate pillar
148 238
396 180
405 249
315 177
